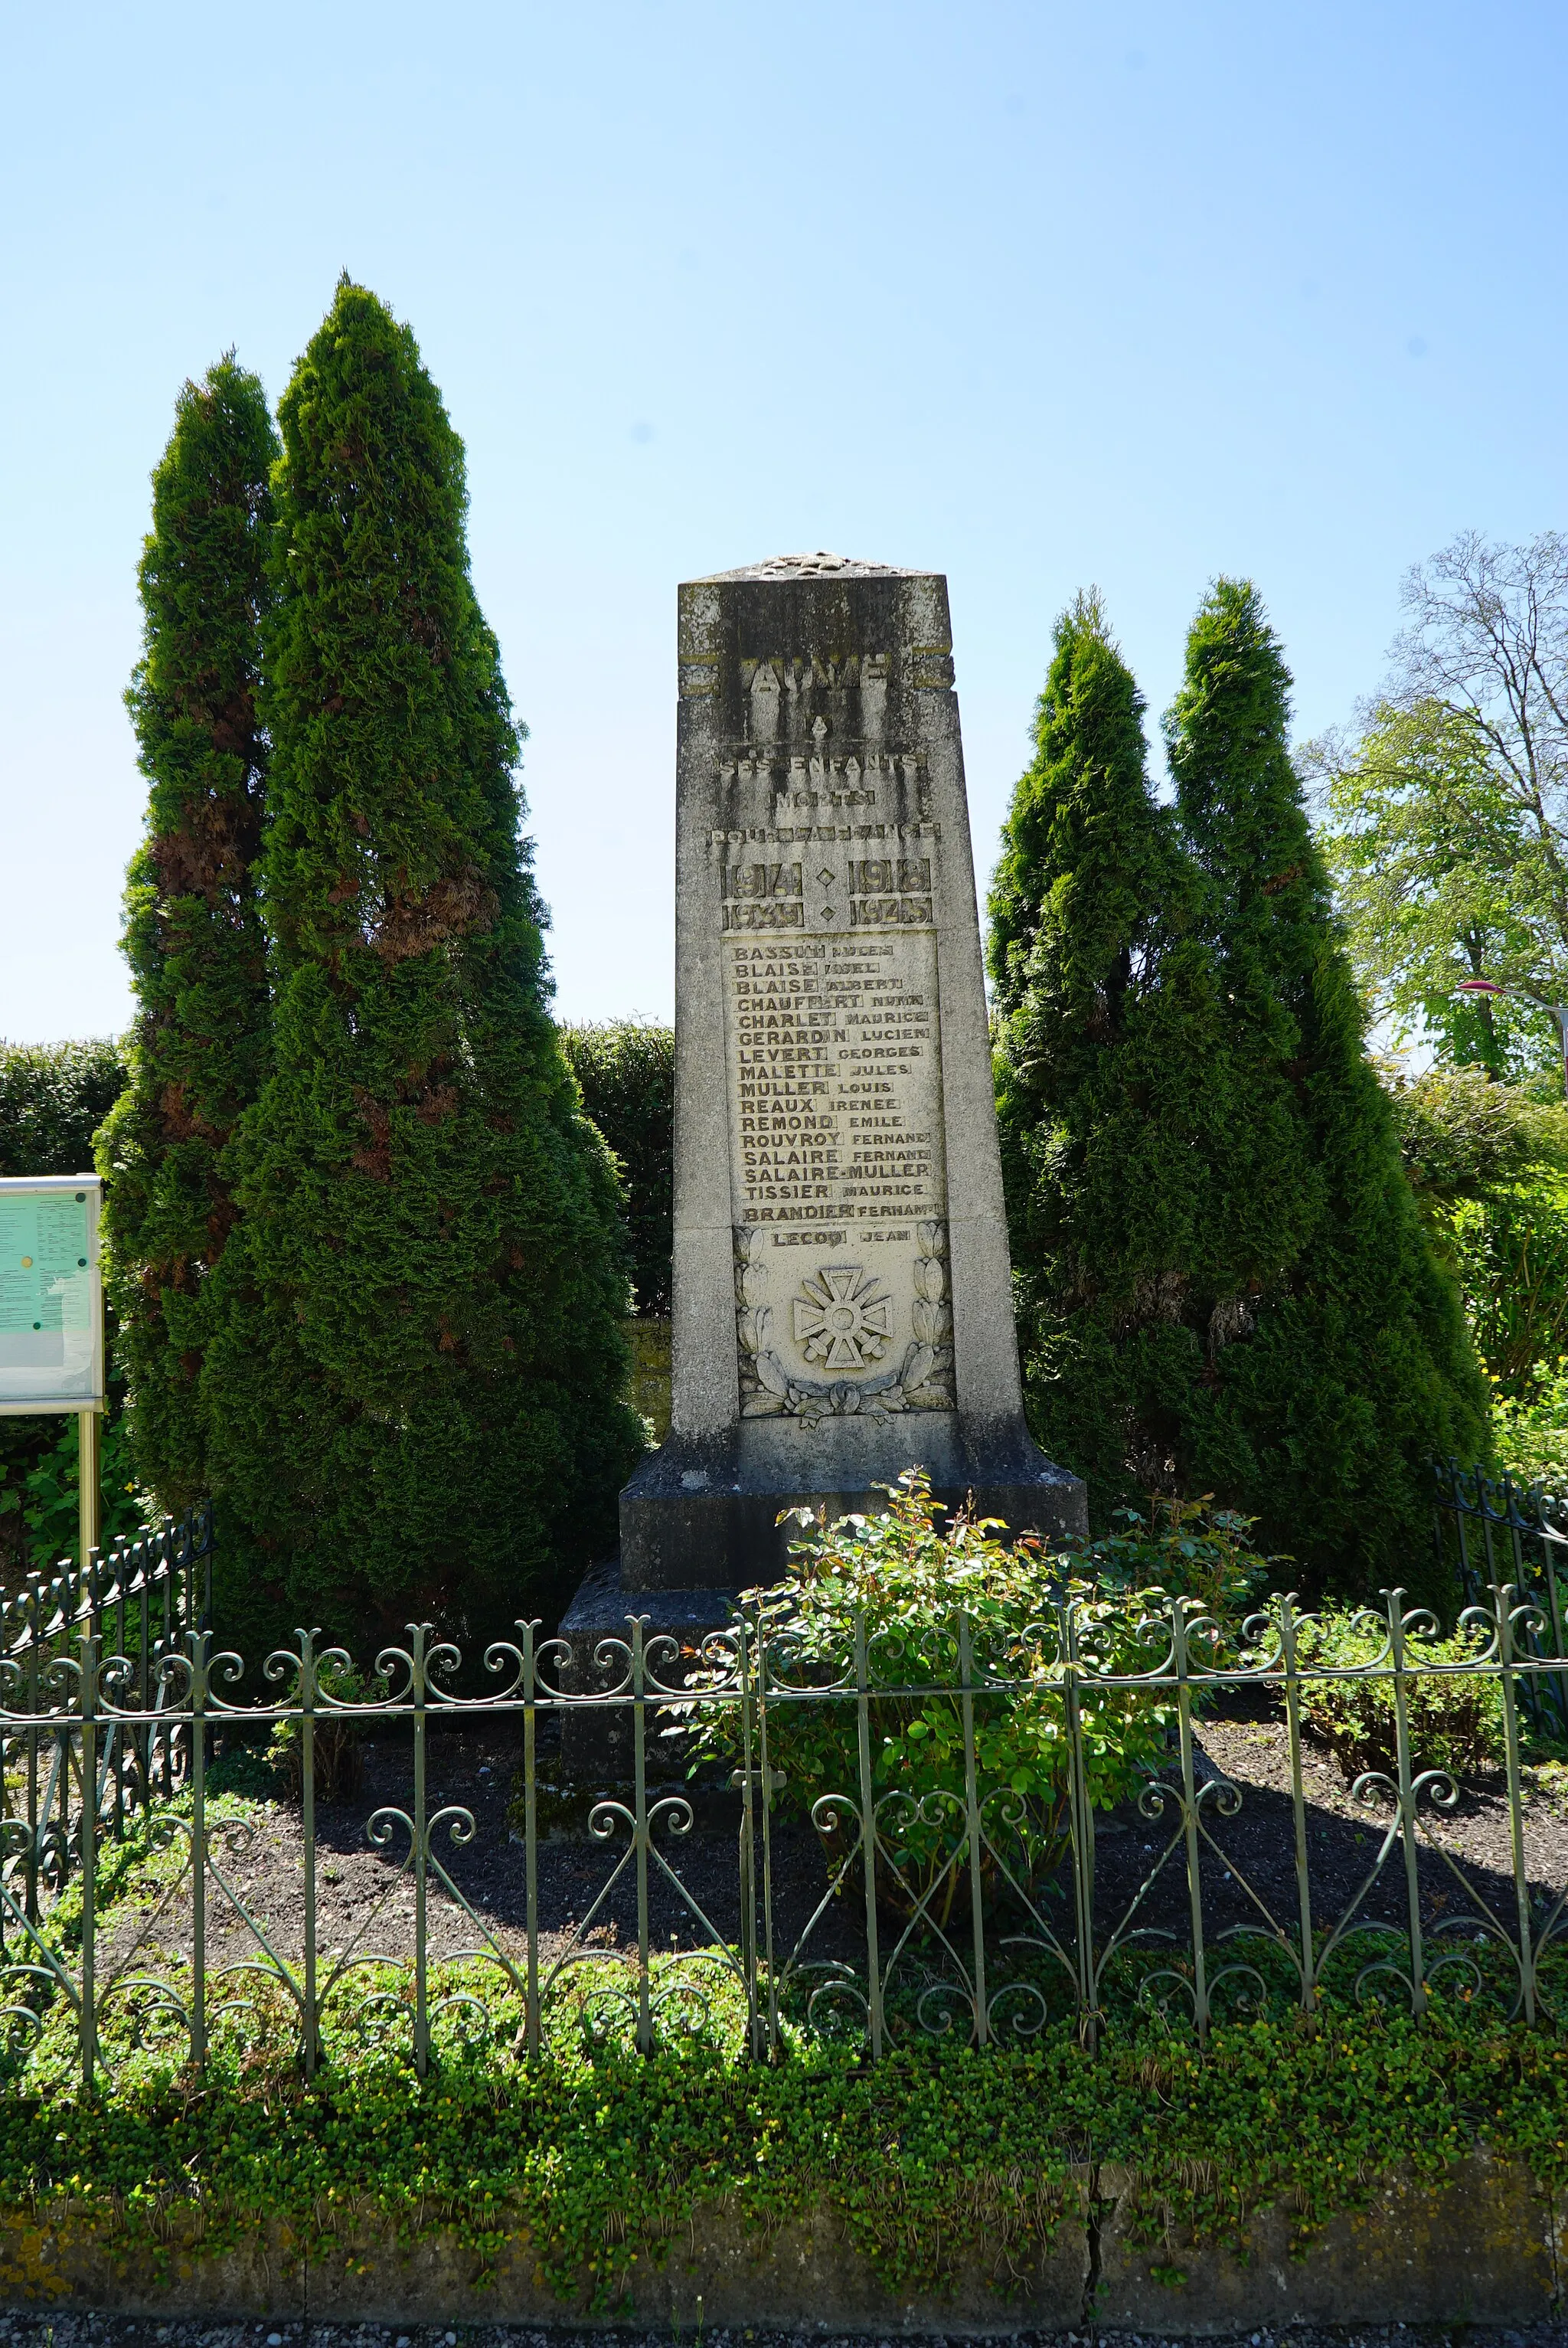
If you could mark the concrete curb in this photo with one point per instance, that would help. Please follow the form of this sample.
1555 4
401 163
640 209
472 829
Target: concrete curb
1484 2247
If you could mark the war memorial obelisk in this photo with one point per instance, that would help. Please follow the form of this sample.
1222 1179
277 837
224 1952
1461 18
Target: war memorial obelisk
842 1285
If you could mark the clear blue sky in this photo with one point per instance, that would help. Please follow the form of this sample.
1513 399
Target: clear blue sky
1034 294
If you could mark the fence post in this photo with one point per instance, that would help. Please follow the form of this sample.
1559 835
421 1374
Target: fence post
972 1824
307 1691
1503 1605
868 1833
1190 1821
120 1560
746 1778
1298 1798
1456 1502
761 1651
196 1643
417 1632
1079 1825
144 1733
34 1599
87 1691
639 1775
531 1832
67 1616
1395 1600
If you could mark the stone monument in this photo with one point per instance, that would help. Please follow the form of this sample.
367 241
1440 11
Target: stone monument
842 1285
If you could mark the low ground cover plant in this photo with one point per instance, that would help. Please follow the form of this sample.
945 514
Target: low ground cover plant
937 2159
934 2159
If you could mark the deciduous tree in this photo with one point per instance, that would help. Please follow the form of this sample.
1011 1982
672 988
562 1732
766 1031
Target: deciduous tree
1441 878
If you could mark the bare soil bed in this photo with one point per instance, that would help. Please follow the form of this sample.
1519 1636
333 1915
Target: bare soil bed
366 1891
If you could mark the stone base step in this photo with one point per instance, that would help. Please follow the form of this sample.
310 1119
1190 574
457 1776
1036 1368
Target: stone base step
596 1742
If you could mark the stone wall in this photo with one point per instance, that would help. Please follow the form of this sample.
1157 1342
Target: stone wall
1484 2247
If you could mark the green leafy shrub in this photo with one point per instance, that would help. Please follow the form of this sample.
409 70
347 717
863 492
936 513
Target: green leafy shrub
1511 1252
1185 1549
1461 1135
906 1579
49 1506
1529 1437
338 1763
1455 1722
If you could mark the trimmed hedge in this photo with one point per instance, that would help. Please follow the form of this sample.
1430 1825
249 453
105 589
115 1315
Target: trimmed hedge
53 1098
627 1072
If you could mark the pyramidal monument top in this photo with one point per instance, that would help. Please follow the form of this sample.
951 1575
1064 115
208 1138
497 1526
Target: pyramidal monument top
817 565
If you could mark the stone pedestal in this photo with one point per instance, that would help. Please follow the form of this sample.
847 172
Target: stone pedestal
842 1285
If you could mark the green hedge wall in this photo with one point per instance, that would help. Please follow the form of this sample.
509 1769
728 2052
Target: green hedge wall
627 1072
53 1098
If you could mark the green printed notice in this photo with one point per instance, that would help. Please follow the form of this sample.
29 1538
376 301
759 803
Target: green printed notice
49 1311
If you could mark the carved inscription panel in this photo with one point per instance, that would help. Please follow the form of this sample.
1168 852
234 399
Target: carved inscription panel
825 907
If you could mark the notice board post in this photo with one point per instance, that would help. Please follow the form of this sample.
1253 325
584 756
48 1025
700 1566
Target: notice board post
52 1315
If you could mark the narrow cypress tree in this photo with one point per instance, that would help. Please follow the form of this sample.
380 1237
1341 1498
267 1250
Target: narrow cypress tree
1341 1361
419 1400
192 932
1105 1033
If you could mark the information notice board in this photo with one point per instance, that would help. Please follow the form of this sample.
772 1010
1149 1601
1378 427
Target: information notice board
51 1295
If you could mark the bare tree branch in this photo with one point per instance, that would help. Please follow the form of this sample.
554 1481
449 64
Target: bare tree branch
1487 638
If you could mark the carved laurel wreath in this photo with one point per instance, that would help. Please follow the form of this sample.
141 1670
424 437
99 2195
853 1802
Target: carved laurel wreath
848 1295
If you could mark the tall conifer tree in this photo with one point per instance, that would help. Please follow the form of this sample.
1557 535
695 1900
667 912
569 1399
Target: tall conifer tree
1106 1048
193 932
1340 1360
420 1397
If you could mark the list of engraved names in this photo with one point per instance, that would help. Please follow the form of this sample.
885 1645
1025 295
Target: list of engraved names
835 1084
826 908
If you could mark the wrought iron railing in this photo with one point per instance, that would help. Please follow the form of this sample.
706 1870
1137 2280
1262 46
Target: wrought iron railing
143 1598
1489 1529
978 1910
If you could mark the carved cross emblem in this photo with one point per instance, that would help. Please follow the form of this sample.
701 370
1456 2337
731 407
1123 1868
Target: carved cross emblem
842 1319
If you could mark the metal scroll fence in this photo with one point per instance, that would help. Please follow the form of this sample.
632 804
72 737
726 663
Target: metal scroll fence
141 1598
1487 1528
864 1905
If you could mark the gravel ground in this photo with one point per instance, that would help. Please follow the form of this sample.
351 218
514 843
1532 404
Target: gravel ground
113 2331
